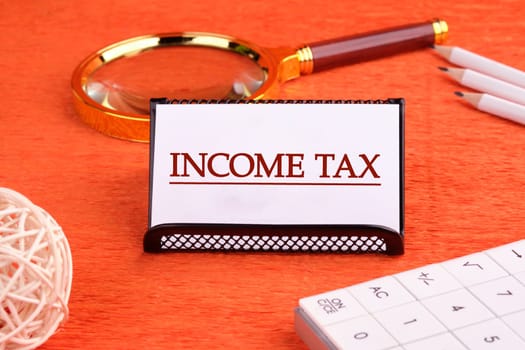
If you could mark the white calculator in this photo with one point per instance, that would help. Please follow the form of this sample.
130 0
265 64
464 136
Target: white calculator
473 302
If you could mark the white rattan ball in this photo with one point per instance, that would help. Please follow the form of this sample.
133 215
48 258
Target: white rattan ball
35 273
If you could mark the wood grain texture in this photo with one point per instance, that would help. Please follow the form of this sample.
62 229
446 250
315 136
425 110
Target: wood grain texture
464 169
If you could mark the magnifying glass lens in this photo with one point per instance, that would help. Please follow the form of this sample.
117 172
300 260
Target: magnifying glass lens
177 72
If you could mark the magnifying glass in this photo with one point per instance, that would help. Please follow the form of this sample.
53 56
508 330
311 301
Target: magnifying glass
112 87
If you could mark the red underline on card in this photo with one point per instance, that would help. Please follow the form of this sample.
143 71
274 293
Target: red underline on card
275 183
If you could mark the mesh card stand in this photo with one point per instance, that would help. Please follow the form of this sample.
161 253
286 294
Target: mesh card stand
316 238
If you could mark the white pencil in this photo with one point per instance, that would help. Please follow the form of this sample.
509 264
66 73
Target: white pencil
485 83
495 105
467 59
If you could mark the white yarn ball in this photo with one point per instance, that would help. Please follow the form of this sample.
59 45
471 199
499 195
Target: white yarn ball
35 273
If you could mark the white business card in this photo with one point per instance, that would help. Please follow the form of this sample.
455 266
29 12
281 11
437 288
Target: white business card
277 164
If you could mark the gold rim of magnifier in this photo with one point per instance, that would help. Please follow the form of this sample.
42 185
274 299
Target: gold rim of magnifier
135 127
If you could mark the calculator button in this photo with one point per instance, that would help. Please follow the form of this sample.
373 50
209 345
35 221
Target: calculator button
510 256
474 268
492 334
457 309
516 321
428 281
330 307
409 322
502 296
362 333
381 293
444 341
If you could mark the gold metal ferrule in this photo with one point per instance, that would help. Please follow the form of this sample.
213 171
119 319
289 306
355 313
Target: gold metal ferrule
440 31
306 60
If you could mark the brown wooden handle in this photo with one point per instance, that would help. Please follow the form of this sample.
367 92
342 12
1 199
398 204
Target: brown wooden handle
364 47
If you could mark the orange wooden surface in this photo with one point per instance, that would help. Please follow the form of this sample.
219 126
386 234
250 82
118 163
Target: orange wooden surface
465 170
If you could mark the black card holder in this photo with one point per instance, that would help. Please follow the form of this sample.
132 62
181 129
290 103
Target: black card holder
325 238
